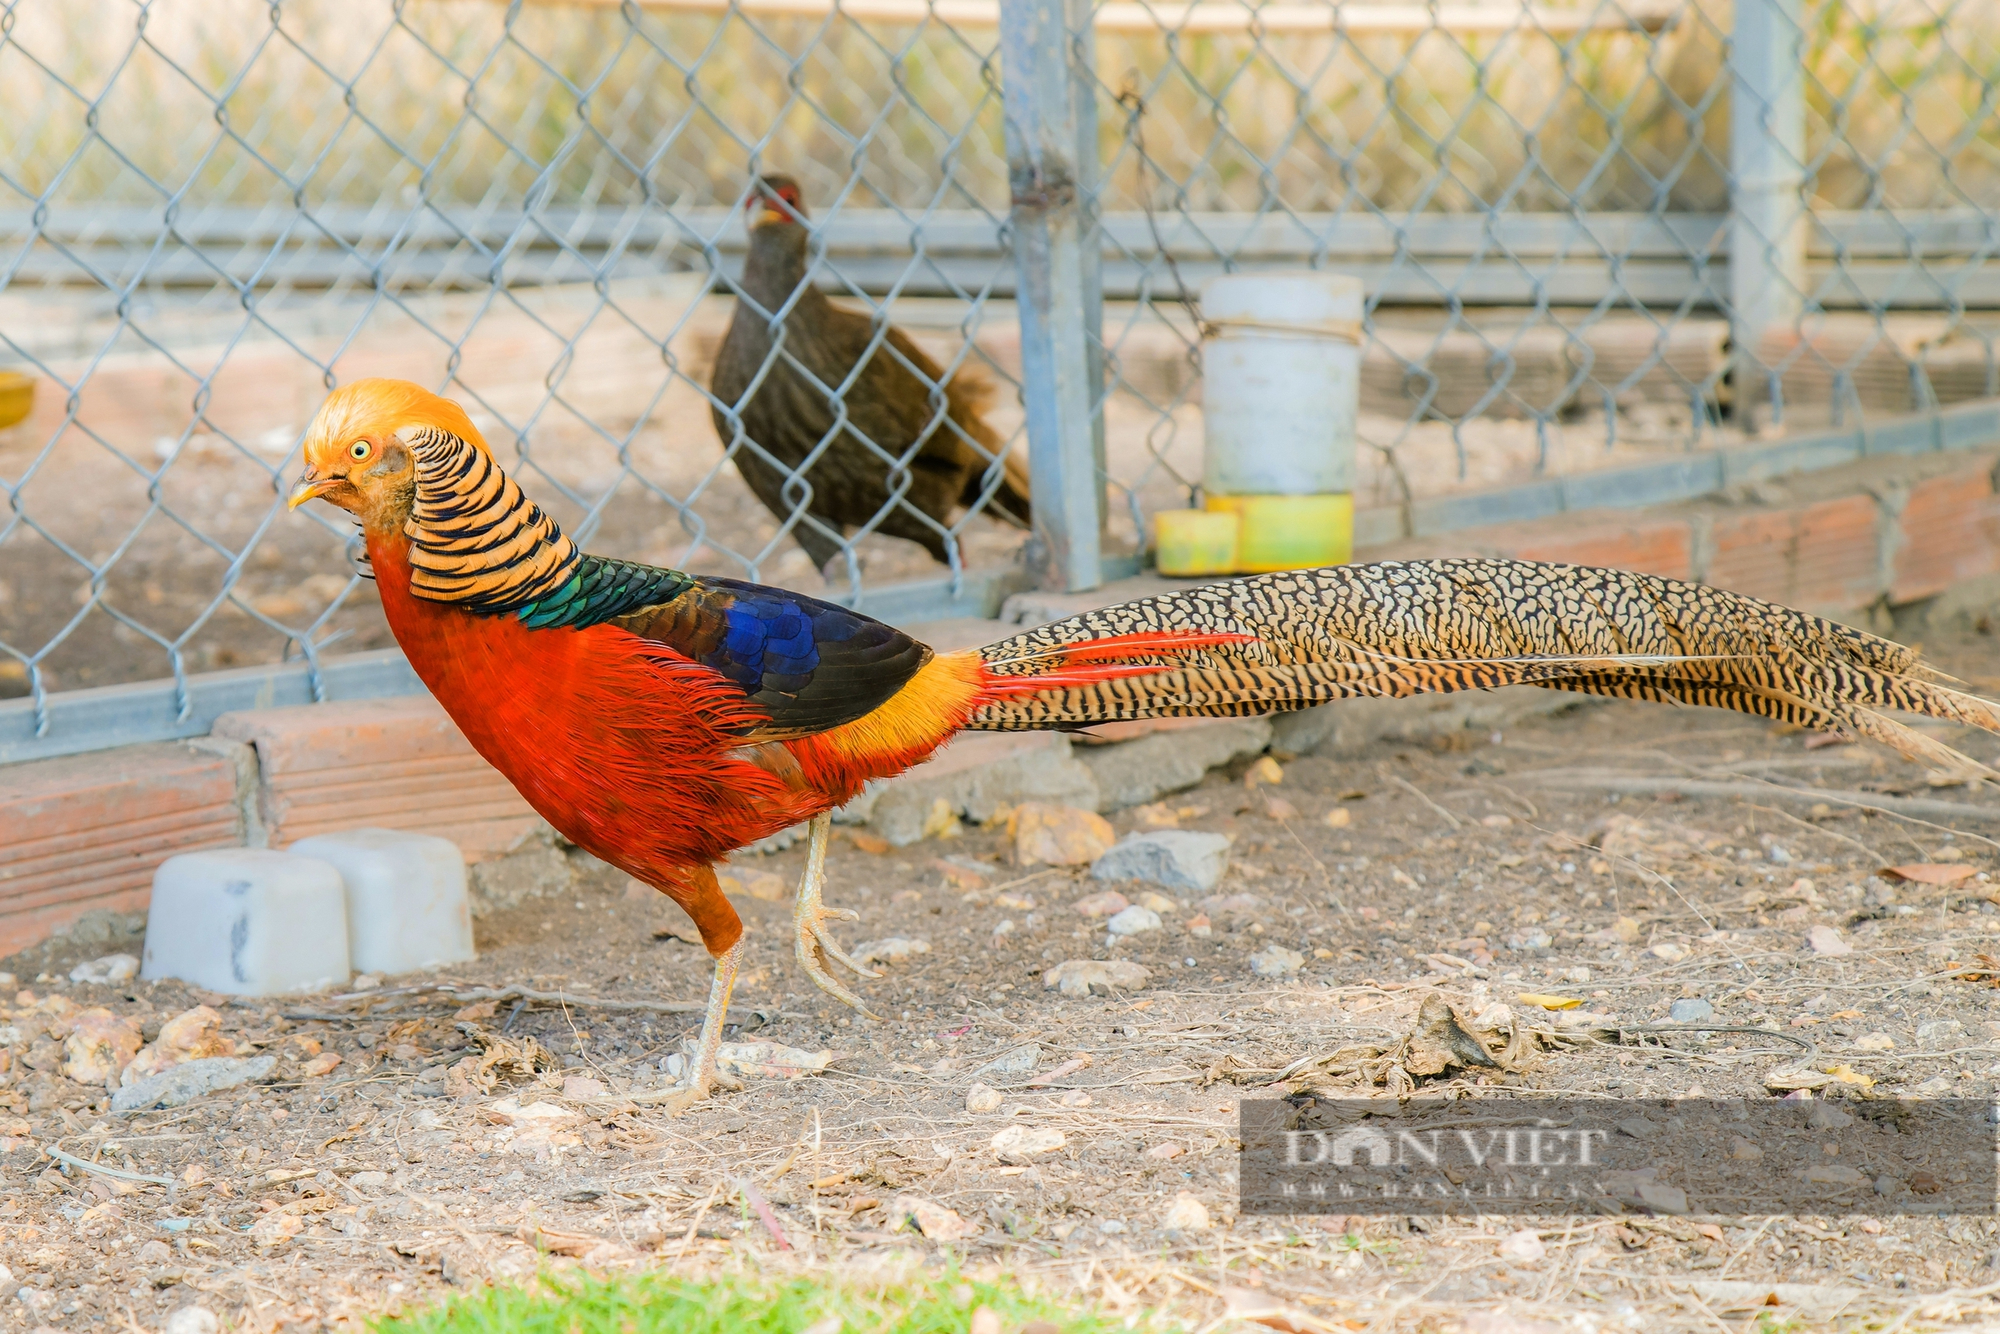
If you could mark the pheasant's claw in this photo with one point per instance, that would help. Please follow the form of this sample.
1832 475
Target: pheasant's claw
815 943
831 948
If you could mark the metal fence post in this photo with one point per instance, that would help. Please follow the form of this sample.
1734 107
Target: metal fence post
1047 218
1767 217
1089 180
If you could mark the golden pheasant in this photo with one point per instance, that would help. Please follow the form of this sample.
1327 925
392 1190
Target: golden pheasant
662 720
896 440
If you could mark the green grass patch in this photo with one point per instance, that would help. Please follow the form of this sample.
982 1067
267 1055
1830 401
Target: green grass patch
646 1303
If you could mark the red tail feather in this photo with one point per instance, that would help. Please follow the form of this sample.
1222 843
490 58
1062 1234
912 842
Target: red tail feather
1093 661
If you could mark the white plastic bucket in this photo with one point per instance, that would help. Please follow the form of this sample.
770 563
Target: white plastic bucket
1281 372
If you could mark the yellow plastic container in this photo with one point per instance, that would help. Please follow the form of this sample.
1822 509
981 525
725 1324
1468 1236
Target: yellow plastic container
1191 542
1288 532
17 398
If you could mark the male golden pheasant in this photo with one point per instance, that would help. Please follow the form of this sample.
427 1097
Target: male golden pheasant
876 429
662 720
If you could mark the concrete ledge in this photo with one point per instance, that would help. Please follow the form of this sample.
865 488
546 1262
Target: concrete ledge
396 763
83 833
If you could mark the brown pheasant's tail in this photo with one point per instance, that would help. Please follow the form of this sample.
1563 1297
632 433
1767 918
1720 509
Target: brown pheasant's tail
1407 628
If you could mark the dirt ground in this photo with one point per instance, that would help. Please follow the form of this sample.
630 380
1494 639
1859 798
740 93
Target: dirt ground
1465 869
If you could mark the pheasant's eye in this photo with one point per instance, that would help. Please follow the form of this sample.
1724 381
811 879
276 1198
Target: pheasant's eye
359 450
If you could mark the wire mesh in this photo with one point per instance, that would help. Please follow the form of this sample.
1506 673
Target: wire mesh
211 211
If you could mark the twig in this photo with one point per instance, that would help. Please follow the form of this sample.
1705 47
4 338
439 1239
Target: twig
694 1227
755 1199
100 1170
1411 788
525 994
1901 808
1880 860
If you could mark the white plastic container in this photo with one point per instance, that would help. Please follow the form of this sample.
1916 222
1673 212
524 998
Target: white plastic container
247 922
406 901
1281 380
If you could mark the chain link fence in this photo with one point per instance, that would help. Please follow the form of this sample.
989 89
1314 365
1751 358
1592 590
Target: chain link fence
211 212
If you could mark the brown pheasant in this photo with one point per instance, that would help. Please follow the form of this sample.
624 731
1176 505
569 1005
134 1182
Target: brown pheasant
910 446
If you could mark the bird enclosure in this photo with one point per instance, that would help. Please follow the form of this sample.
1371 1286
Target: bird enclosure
215 212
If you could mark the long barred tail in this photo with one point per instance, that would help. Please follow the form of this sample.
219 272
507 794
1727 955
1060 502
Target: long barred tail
1286 641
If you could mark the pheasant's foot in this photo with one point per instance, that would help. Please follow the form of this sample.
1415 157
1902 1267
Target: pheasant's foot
809 918
702 1073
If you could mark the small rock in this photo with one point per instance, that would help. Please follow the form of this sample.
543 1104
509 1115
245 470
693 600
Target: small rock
1018 1144
191 1035
190 1080
192 1320
1669 951
1187 1214
1276 961
1230 903
1339 818
1744 1151
1826 941
1690 1010
320 1065
1133 921
890 949
982 1098
582 1087
1523 1247
1834 1174
1020 1061
1083 977
1200 927
1277 808
1166 1153
1621 932
1874 1042
110 968
1058 835
932 1219
1179 859
941 821
765 886
1076 1098
99 1046
1265 770
1158 902
154 1252
1825 1116
1107 904
368 1180
1529 938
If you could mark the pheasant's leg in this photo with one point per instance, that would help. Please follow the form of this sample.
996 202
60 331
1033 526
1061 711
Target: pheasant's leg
702 1074
809 921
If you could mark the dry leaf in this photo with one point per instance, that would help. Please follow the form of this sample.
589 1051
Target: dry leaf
1548 1002
1932 873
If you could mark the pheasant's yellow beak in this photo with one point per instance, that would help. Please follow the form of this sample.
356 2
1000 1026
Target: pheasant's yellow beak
311 486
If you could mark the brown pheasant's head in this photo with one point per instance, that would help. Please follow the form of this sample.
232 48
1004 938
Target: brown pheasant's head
361 452
776 200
